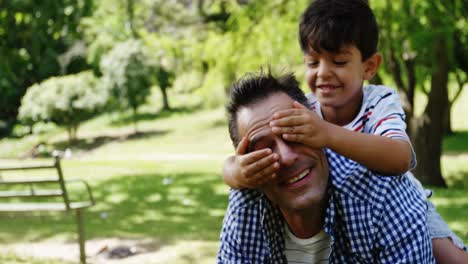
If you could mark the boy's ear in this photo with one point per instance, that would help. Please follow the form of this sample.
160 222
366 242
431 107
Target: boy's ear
371 65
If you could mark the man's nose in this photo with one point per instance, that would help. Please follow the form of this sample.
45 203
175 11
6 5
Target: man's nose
287 155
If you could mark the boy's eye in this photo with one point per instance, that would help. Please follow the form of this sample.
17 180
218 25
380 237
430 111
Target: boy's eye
311 63
340 62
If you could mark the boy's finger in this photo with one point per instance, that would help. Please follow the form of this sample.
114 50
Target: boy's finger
298 105
261 164
242 147
288 121
288 130
255 156
299 138
286 112
268 173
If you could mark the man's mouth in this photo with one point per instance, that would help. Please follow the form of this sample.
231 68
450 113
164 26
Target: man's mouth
298 177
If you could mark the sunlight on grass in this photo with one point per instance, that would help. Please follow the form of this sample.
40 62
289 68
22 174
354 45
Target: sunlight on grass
455 170
452 204
459 110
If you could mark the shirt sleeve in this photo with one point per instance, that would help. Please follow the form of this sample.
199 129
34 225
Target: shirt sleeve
386 116
241 239
403 236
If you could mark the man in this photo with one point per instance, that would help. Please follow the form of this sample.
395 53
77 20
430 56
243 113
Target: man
368 218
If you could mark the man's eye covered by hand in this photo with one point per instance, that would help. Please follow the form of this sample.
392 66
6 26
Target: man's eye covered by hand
256 167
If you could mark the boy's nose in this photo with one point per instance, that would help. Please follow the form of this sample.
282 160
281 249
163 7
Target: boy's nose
287 155
324 70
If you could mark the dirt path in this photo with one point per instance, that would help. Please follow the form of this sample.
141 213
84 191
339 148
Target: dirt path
100 251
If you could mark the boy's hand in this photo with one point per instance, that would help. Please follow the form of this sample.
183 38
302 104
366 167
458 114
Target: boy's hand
301 125
256 168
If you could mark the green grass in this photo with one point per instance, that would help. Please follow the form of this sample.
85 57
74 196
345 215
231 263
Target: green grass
452 204
164 183
136 199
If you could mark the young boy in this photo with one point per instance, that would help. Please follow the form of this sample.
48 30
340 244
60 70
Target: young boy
339 41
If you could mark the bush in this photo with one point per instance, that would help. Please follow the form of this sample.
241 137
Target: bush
127 73
67 101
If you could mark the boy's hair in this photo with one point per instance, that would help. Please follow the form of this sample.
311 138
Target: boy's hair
253 88
331 24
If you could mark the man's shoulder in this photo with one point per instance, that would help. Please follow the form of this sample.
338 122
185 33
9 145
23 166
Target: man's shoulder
244 198
374 213
354 180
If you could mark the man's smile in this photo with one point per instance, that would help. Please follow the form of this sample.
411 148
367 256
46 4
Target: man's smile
297 179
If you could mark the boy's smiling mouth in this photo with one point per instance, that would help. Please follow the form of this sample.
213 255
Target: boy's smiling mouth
327 86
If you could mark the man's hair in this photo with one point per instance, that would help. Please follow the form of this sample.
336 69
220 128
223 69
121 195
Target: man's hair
253 88
330 24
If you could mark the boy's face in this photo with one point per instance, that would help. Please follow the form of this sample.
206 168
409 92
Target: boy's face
336 78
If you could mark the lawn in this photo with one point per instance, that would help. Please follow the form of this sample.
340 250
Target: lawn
164 183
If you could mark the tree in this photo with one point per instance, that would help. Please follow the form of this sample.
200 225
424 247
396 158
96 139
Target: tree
417 42
165 79
32 35
67 101
127 73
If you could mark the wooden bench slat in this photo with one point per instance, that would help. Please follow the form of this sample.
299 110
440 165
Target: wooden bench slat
30 193
25 207
32 181
38 167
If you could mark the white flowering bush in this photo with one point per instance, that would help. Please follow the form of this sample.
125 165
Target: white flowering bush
66 100
127 72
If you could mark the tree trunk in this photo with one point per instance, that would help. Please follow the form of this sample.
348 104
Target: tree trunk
165 99
134 117
448 120
427 130
70 134
131 20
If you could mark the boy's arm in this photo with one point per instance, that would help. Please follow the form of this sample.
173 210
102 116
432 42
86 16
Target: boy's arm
384 155
249 170
387 156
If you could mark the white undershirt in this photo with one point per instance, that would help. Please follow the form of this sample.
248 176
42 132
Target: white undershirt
310 250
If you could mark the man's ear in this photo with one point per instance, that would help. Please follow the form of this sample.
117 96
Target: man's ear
371 65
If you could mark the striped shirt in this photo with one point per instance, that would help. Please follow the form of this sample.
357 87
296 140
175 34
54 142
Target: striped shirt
381 114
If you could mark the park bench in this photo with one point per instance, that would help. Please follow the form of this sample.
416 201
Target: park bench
44 194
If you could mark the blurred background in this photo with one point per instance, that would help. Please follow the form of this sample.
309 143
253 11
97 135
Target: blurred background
133 92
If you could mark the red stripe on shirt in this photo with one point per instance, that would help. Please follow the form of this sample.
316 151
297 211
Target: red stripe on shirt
380 122
359 128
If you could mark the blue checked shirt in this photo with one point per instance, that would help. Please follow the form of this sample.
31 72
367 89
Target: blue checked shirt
371 218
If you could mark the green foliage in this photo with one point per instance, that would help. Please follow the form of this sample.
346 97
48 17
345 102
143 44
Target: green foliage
127 73
66 101
408 29
258 34
33 34
111 23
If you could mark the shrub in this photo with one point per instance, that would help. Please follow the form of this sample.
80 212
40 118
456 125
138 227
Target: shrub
127 73
66 100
